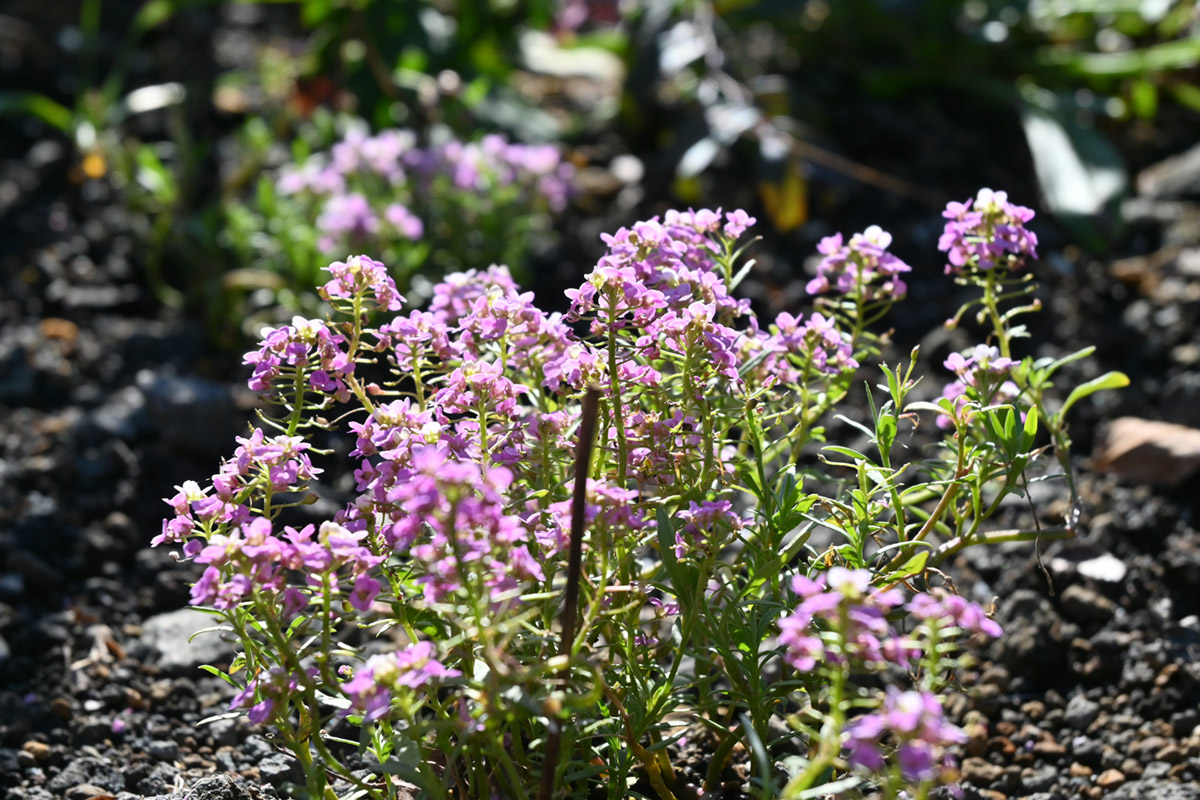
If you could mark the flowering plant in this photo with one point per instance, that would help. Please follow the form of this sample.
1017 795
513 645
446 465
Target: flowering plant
438 208
581 540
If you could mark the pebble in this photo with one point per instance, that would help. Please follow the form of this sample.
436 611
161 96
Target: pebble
1110 779
980 772
61 708
1078 770
1038 779
1049 749
1080 712
84 791
1084 605
39 750
1034 709
278 769
170 634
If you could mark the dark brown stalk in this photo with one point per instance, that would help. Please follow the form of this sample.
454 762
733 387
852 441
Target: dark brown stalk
583 461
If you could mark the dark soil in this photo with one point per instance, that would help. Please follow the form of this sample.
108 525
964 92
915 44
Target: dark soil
107 402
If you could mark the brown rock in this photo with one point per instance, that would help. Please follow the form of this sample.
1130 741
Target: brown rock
85 791
1132 768
976 744
1003 745
1078 770
39 750
1170 753
1147 747
979 772
1110 779
1144 451
61 708
1034 709
1005 728
1050 750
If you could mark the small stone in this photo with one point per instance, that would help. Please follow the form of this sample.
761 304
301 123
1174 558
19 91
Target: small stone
163 750
1156 770
85 791
1184 722
1049 750
986 698
278 769
218 787
997 676
1003 745
976 744
1088 752
61 708
1034 709
1147 747
25 760
39 750
1110 779
1169 753
1038 780
1084 605
980 773
1081 712
1078 770
1131 767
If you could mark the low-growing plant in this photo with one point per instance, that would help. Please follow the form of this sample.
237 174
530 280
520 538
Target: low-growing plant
439 208
580 540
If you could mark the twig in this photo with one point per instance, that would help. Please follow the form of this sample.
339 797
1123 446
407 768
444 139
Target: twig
583 460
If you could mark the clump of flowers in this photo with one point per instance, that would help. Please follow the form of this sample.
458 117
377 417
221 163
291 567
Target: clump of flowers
552 514
987 232
439 207
863 265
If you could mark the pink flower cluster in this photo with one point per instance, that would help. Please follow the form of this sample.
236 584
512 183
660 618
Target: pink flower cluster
841 598
982 378
414 667
464 477
987 232
275 687
862 265
840 618
347 181
915 722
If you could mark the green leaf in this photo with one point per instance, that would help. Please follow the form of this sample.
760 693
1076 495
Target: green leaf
1029 432
1109 380
37 105
846 451
913 566
211 670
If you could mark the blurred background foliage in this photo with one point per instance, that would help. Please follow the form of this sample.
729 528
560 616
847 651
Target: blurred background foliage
794 109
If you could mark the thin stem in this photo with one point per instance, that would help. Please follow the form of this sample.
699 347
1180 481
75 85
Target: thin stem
583 458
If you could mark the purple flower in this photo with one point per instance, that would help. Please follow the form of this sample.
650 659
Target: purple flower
864 265
987 232
408 224
841 599
945 609
414 667
736 223
360 275
915 722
